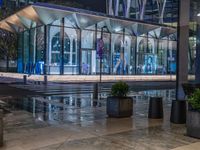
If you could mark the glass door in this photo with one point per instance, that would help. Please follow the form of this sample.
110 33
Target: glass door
88 62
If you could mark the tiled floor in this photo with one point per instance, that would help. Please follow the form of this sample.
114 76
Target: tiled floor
194 146
77 122
24 133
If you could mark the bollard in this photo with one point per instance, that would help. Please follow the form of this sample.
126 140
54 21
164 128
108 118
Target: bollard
178 111
1 127
25 79
155 108
95 91
45 79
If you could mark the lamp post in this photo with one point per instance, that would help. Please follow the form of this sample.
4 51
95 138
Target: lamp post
100 53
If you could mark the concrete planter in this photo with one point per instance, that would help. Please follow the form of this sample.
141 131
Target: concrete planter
119 106
193 124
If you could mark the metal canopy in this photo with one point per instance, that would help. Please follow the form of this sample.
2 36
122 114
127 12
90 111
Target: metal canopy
43 14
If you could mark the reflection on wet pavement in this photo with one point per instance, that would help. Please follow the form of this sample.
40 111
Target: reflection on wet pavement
77 121
81 107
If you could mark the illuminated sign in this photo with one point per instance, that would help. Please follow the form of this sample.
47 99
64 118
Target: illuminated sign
100 47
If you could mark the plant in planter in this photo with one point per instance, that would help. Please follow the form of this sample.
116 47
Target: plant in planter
193 114
119 105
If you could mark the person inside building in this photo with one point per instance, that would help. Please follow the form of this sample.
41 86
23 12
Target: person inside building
84 68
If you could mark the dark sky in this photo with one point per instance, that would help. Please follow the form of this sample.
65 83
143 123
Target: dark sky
98 5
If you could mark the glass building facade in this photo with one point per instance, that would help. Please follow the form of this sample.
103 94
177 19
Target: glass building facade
194 30
16 4
60 40
158 11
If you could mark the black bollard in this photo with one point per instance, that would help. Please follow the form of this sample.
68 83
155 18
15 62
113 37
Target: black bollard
155 108
95 91
25 79
178 112
45 79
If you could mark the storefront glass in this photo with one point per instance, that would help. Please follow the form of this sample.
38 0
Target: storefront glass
26 53
20 53
71 50
40 48
55 50
106 54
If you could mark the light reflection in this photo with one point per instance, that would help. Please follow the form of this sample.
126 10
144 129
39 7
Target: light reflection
81 108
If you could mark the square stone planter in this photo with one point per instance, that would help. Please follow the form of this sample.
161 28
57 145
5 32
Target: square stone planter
119 107
193 124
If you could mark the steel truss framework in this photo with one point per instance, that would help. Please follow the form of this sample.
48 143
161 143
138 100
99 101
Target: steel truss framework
43 14
161 11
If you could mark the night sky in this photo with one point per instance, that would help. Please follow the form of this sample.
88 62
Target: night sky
96 5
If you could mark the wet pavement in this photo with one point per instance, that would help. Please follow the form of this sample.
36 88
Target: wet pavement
63 89
66 117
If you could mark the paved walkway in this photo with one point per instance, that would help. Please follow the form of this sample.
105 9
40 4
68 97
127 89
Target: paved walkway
78 122
194 146
10 77
66 117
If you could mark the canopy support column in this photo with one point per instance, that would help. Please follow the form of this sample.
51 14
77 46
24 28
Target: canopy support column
182 49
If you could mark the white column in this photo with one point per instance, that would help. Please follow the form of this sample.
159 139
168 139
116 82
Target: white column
162 12
143 2
161 7
128 4
110 8
116 7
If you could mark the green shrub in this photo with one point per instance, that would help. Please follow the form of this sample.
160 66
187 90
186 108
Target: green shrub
119 89
194 100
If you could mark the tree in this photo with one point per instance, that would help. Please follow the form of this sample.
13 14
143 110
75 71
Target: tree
8 42
7 45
